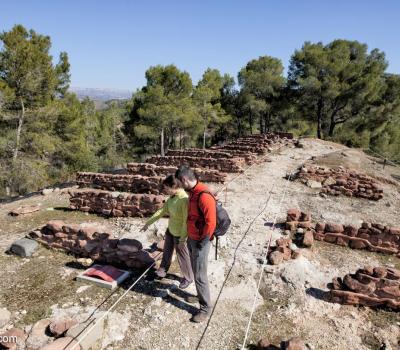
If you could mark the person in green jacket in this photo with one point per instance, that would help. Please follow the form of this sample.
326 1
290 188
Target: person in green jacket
176 207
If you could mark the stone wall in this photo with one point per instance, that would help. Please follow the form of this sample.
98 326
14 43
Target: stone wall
249 157
374 287
115 203
125 183
147 169
227 165
340 181
373 237
199 152
242 147
87 241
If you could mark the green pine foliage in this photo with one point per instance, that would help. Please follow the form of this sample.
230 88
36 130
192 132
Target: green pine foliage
339 91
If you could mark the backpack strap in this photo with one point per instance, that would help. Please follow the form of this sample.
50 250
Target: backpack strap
198 200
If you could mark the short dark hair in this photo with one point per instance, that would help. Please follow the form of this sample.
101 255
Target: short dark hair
171 181
185 171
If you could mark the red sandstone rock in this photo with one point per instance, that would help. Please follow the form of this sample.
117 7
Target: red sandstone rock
293 215
365 288
59 327
320 227
332 227
308 239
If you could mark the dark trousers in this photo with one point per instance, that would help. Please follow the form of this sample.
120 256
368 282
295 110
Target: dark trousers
182 254
198 251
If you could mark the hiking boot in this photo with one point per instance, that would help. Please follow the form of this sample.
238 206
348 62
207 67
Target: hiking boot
201 316
161 273
184 284
191 299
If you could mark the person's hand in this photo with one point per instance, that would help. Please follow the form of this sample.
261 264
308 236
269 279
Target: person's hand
144 228
200 244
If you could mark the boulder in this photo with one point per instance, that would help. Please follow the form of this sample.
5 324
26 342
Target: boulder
24 247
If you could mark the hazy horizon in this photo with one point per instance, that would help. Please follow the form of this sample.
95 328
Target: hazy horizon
110 45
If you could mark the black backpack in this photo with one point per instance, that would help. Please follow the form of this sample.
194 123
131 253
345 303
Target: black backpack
223 220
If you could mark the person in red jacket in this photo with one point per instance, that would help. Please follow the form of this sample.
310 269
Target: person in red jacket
201 224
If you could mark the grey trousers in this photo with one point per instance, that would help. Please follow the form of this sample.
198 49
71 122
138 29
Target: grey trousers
182 254
198 251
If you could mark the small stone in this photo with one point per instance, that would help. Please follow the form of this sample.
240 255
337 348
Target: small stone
275 258
300 230
47 191
313 184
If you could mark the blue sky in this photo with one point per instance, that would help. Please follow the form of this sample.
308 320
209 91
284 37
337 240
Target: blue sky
111 43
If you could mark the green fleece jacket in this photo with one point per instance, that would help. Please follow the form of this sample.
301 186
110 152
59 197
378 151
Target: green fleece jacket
176 207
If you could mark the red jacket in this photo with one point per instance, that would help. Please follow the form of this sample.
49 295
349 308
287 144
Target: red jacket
201 224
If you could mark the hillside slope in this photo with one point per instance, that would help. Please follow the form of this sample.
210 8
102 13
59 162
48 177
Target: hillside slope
154 316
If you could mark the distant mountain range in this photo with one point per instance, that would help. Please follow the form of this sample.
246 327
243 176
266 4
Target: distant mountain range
101 94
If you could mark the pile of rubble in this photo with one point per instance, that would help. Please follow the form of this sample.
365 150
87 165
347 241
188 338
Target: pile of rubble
88 241
298 224
147 169
125 183
291 344
227 165
374 237
374 287
118 204
340 181
284 250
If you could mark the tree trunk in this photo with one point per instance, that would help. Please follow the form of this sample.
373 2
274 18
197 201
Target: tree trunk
261 125
331 127
19 128
319 118
251 123
267 122
162 143
204 137
180 139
